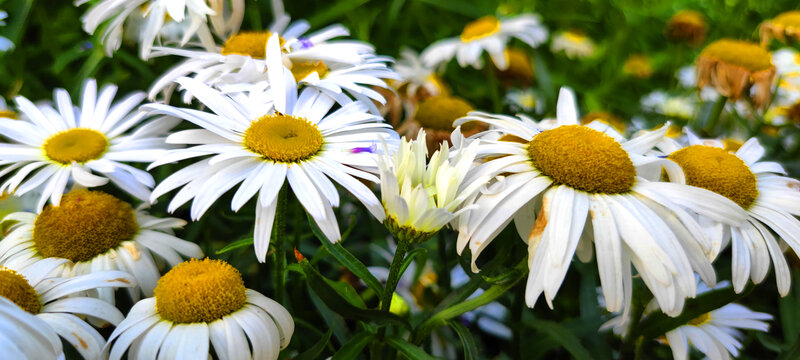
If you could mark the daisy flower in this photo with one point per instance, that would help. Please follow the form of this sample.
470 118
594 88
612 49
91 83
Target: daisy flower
198 305
5 111
420 198
687 26
785 25
660 102
24 336
566 173
769 200
732 67
5 44
524 101
299 140
77 144
159 13
717 333
316 59
574 44
97 231
58 306
487 33
416 83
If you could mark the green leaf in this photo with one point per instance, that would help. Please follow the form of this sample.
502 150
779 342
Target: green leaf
335 11
467 342
347 259
236 244
340 305
353 348
411 351
347 292
334 321
792 353
314 351
563 336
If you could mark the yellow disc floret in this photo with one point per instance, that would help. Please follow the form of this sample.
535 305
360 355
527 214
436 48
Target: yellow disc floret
76 145
248 43
439 112
200 291
16 288
700 320
789 19
719 171
584 159
740 53
85 224
481 28
283 138
301 70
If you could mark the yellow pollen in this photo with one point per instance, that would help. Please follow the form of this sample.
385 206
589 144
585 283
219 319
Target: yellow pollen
302 69
75 145
439 112
248 43
584 159
732 145
16 288
481 28
85 224
8 114
700 320
200 291
789 19
719 171
744 54
283 138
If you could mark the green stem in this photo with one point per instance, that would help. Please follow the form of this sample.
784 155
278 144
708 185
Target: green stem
491 294
716 112
394 273
278 240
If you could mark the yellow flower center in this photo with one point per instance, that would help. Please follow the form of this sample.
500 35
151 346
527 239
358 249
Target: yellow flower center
700 320
85 224
519 64
76 145
584 159
719 171
283 138
439 112
575 37
8 114
744 54
248 43
302 69
688 17
789 19
638 66
14 287
481 28
200 291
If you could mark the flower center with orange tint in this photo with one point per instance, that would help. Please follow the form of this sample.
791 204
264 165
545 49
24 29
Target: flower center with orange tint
283 138
16 288
584 159
744 54
75 145
718 170
199 291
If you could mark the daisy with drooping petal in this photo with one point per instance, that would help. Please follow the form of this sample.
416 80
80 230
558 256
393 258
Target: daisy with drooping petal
785 25
58 305
300 141
553 179
687 26
488 34
732 67
422 197
716 333
200 305
24 336
52 148
771 202
575 44
97 231
160 13
347 64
